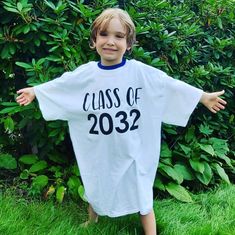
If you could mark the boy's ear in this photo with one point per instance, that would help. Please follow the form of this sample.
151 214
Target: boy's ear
92 44
128 51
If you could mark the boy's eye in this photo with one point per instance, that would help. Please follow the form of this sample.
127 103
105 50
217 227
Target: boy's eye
120 35
103 33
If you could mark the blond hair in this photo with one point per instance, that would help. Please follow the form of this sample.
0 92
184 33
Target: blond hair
102 21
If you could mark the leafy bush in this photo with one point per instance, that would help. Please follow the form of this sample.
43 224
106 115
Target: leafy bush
190 40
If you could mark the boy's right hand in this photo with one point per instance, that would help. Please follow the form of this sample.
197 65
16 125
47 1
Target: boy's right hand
26 96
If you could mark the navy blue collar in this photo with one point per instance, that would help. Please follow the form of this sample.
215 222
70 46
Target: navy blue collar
110 67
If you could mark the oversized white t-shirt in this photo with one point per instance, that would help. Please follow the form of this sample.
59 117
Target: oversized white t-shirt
114 116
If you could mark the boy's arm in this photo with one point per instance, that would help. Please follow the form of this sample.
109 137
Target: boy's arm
26 96
212 101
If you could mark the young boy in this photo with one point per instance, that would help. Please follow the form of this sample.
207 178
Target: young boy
114 110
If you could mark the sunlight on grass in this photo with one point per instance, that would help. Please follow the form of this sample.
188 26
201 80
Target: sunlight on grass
211 213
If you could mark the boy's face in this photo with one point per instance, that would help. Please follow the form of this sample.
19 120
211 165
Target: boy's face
111 44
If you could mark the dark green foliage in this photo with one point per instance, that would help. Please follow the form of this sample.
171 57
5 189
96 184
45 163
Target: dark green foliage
190 40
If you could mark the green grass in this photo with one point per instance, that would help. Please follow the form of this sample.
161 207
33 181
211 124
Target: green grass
211 214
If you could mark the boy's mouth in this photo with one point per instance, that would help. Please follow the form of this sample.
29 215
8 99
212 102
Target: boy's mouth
109 49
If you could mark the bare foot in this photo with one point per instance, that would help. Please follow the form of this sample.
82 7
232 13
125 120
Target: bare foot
93 218
89 222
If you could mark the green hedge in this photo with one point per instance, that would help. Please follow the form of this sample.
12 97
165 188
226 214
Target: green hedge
190 40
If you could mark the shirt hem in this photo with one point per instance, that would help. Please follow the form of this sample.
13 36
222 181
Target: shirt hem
127 212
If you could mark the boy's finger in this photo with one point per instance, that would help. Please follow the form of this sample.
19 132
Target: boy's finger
222 101
220 106
212 110
20 91
20 96
216 108
220 92
21 100
27 102
24 102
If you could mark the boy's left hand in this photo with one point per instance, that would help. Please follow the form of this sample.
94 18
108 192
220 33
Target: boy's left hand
212 101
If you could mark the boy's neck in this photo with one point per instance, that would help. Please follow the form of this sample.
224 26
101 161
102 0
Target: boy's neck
114 66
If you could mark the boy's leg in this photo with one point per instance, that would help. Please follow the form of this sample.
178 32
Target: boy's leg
149 223
92 217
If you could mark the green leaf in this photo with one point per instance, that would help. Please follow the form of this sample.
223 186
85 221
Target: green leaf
9 124
73 182
41 61
197 165
226 159
7 162
37 41
166 161
206 177
81 192
205 129
26 9
50 191
219 21
220 146
221 172
75 170
54 58
60 193
9 4
12 49
5 52
157 62
158 184
54 132
165 151
29 159
73 185
171 172
207 148
184 170
38 166
19 6
185 149
50 4
40 182
11 9
190 134
10 104
24 175
24 65
10 110
57 158
178 192
26 29
55 124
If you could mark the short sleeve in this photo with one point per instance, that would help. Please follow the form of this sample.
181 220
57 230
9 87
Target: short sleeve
180 100
53 97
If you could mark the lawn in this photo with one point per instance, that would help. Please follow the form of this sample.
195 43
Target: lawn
211 213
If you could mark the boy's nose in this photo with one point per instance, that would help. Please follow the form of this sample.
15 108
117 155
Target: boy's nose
110 41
